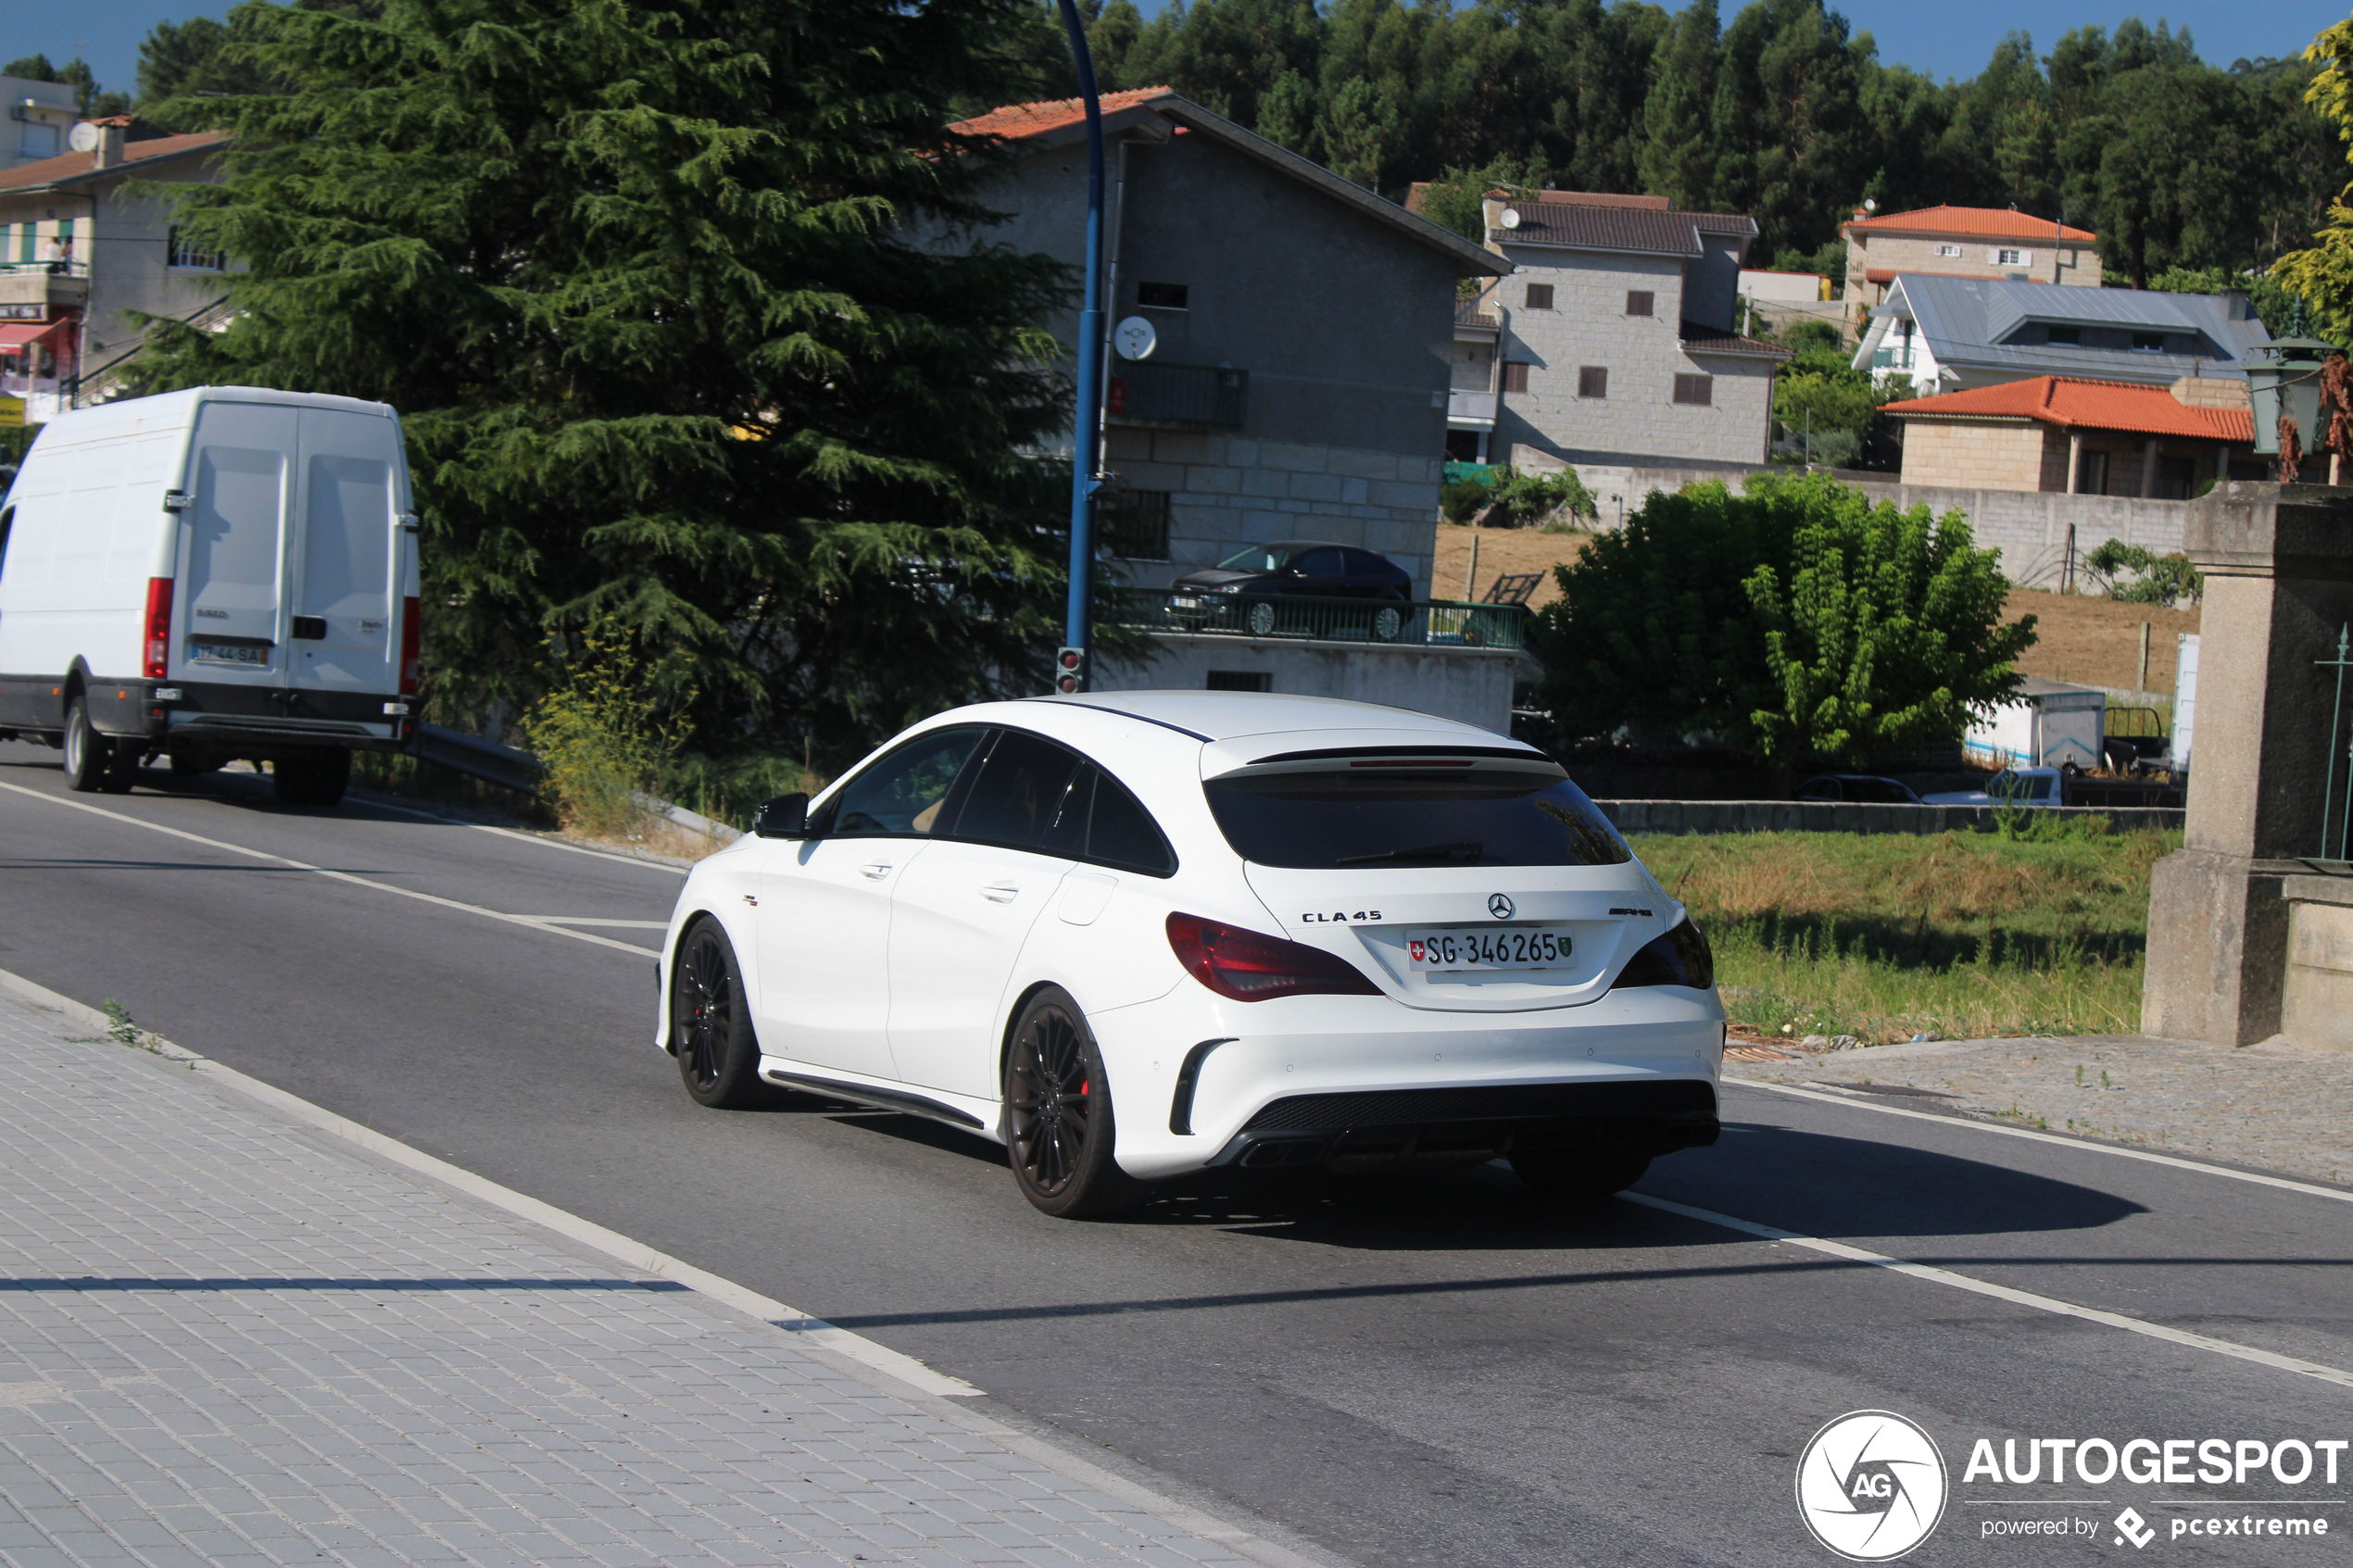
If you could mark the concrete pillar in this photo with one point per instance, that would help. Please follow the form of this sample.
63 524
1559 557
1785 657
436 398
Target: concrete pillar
2279 583
2148 468
2074 459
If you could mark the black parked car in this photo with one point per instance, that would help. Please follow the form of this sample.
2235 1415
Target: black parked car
1864 788
1303 567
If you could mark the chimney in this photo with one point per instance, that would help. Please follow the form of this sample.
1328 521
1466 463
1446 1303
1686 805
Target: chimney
109 148
2236 304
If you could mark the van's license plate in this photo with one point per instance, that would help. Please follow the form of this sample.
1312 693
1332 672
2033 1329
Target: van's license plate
1516 949
230 653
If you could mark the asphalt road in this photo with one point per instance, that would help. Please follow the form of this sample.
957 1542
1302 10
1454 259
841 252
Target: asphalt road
1426 1373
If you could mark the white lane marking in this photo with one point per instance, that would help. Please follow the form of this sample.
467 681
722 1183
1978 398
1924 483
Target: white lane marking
526 837
2003 1292
612 1244
586 919
2174 1160
528 921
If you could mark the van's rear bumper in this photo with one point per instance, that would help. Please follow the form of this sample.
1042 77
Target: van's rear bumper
245 720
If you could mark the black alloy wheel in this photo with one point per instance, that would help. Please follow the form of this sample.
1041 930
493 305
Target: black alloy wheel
1578 1175
1059 1130
709 1025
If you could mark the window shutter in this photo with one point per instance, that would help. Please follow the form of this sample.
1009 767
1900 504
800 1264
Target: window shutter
1514 375
1539 297
1592 381
1641 302
1697 391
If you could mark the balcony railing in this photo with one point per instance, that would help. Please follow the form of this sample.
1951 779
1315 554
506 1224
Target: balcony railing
50 269
1146 392
1892 358
1475 403
1396 622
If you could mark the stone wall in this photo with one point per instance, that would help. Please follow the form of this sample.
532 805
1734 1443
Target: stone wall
1470 684
1225 492
1997 454
2028 527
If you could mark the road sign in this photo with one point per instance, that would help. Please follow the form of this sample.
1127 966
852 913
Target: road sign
11 413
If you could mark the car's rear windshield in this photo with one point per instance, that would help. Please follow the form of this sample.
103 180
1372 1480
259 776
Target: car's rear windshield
1344 818
1258 557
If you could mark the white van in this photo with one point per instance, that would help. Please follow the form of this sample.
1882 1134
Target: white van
212 574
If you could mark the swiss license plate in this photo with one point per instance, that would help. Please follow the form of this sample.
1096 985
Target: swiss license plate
230 653
1517 948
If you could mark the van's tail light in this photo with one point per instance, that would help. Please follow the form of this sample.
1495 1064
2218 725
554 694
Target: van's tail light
412 642
1679 957
159 659
1249 967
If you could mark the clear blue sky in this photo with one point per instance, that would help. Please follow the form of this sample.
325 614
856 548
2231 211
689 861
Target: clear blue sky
1938 36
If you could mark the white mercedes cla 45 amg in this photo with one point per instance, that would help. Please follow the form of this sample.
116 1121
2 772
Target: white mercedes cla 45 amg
1137 934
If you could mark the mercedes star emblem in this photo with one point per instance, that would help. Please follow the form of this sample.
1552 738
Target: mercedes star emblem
1499 906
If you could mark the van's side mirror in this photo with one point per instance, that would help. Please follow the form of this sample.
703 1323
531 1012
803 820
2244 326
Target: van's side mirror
785 816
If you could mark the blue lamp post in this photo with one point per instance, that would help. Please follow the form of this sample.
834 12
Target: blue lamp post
1070 664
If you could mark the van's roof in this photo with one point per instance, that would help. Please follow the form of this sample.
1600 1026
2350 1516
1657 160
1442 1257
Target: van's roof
174 411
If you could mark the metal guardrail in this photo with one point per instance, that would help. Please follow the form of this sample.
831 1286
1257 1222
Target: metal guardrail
1395 623
476 758
1214 397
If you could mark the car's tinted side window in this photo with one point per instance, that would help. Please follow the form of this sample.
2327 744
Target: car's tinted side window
905 791
1320 563
1018 796
8 524
1120 833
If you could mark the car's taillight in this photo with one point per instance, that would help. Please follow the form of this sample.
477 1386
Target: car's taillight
158 628
1679 957
412 636
1250 967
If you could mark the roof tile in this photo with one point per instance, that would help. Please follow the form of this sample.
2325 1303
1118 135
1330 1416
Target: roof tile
2074 402
1036 119
1989 222
68 166
1577 226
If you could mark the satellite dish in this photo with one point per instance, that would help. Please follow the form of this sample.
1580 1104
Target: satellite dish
1870 205
1134 338
84 138
1511 217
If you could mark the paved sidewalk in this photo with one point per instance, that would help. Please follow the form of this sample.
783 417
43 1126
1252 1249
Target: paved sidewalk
225 1338
2274 1107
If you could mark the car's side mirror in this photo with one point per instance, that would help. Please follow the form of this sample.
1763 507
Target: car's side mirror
785 816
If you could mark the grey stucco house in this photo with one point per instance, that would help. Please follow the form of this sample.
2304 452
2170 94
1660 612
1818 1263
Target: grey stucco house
1305 326
1950 333
1615 338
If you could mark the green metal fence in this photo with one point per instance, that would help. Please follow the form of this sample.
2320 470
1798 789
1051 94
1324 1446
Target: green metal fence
1395 621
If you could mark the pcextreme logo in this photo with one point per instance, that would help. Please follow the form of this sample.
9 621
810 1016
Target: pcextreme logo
1872 1486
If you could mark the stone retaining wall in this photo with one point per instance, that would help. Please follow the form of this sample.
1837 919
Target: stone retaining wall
1832 816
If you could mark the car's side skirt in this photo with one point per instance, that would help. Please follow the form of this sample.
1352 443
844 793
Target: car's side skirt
882 1096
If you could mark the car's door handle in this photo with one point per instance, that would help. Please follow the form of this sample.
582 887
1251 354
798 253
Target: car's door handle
875 870
1002 892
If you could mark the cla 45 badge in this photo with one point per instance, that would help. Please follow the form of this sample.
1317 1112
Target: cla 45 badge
1340 915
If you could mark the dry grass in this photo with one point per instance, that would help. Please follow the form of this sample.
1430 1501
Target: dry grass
1500 550
1884 937
2097 642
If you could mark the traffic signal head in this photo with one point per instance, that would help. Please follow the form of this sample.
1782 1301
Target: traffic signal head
1070 671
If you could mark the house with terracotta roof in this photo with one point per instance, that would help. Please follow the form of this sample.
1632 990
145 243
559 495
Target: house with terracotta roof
1618 334
1943 334
1960 242
2081 436
79 252
1300 333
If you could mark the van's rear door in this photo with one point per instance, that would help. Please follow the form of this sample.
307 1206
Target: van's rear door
240 512
345 560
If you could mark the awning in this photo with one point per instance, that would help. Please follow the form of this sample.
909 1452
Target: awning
18 335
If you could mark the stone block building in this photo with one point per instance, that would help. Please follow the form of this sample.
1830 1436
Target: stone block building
2081 436
1960 242
1616 334
1303 331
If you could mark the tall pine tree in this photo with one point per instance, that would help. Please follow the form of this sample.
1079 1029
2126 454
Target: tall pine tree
638 275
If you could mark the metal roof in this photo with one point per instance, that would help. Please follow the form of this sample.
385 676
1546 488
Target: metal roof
1966 321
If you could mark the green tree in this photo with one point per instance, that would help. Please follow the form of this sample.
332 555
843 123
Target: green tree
1887 636
637 278
1678 154
1882 634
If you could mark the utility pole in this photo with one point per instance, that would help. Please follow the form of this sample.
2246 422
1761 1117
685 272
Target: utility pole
1071 665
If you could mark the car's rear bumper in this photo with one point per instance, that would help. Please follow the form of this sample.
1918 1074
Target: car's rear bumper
1201 1081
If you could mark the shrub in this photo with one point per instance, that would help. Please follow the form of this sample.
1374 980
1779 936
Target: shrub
600 733
1463 500
1523 499
1796 619
2160 579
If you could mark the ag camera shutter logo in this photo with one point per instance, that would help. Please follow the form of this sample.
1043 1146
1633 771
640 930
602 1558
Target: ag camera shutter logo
1872 1486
